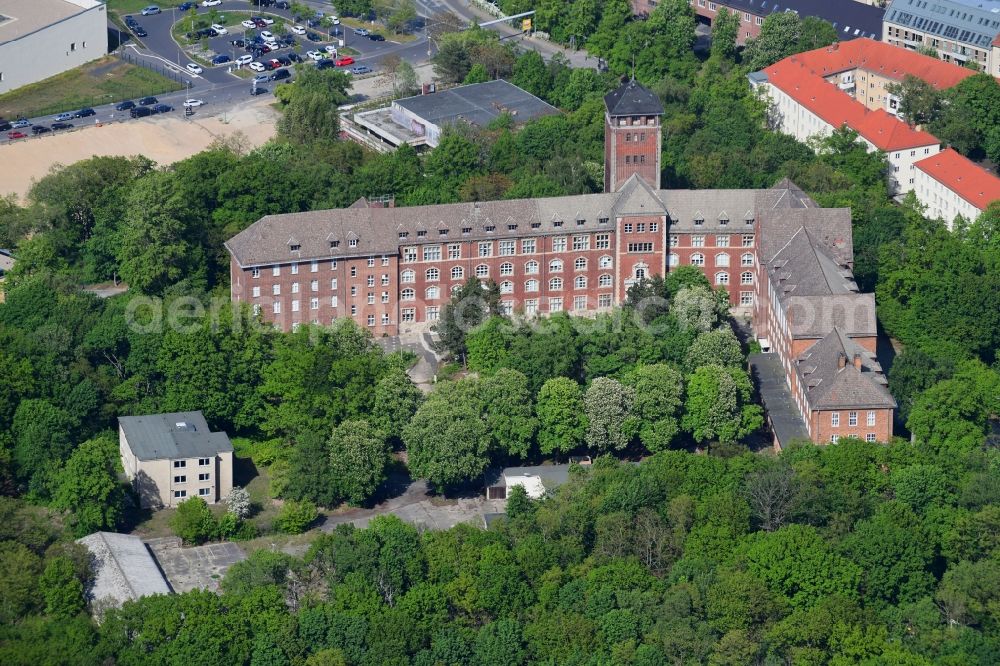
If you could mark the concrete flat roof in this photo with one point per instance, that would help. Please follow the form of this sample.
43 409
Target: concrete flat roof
786 422
477 103
23 17
124 568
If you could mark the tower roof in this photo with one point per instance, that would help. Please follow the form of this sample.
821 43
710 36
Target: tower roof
633 99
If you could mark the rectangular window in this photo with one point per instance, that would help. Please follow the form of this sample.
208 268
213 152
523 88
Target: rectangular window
432 253
204 492
697 241
295 287
528 246
314 285
371 280
834 439
640 247
313 267
275 271
722 240
486 249
333 265
559 244
180 493
276 307
295 306
204 476
579 303
371 262
180 478
408 314
852 418
256 292
627 227
654 226
295 269
870 437
555 305
835 419
581 242
531 306
604 300
455 251
746 298
371 299
371 320
747 240
204 462
354 271
180 463
333 301
314 304
409 254
602 242
255 273
433 313
385 297
871 419
640 227
507 248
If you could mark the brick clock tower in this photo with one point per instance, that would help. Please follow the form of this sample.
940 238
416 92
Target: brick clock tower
632 136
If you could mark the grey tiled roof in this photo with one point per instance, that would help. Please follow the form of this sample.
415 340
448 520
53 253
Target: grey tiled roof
850 18
782 413
633 99
829 226
815 316
171 436
829 386
377 230
974 22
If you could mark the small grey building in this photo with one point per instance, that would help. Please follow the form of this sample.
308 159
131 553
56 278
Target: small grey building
171 457
124 570
420 120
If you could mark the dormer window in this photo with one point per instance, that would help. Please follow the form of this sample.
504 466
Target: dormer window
698 221
295 247
334 244
511 227
442 232
603 220
404 234
490 228
353 242
557 223
581 222
466 231
421 233
723 221
749 221
536 225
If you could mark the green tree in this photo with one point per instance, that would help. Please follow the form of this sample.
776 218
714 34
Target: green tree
477 74
719 347
88 486
531 74
953 415
310 474
919 101
19 572
396 401
718 405
358 458
309 111
489 345
61 588
295 516
447 439
193 521
510 415
778 38
610 423
562 420
469 306
658 401
725 30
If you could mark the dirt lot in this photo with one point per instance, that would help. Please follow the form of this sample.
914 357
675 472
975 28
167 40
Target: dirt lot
164 140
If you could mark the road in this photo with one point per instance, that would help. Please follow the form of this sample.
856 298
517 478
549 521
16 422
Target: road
219 85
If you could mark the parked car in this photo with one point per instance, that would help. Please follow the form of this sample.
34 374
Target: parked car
146 101
313 23
281 74
344 61
257 67
361 69
323 64
313 37
162 108
266 35
185 6
61 126
273 64
141 112
16 135
64 116
21 123
39 129
139 32
248 24
287 40
211 3
220 60
333 20
131 21
284 60
239 43
298 30
83 113
193 102
5 125
194 68
315 55
258 21
294 57
330 48
244 59
151 10
361 32
220 29
259 90
267 20
375 37
126 105
282 4
261 78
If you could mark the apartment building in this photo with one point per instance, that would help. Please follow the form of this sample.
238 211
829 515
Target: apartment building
961 31
950 185
171 457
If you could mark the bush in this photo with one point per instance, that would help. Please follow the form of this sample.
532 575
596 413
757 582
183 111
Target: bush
193 521
232 527
295 517
238 502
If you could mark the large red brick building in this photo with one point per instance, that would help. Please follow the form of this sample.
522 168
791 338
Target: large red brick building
392 270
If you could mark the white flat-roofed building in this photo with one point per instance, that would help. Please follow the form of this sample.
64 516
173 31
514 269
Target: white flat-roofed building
42 38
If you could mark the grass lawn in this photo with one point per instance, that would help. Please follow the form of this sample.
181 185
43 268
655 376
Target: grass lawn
100 82
123 7
352 23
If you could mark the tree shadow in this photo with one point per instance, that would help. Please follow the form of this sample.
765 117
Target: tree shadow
244 471
397 481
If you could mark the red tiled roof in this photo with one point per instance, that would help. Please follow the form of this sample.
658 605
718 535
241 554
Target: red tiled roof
893 62
963 177
837 108
996 41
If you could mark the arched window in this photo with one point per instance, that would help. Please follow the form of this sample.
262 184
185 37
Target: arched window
746 278
432 293
747 259
555 266
640 273
531 285
604 262
555 284
580 282
407 276
604 281
407 294
482 270
506 269
580 264
722 260
698 259
531 268
722 277
433 274
506 287
457 272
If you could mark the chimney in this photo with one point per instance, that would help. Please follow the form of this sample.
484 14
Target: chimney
841 360
857 361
